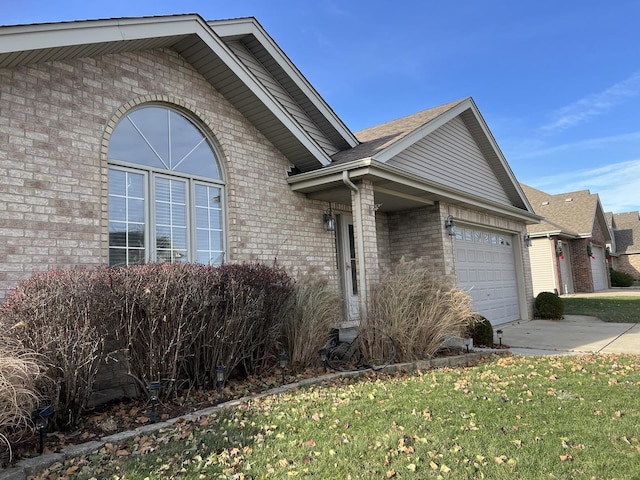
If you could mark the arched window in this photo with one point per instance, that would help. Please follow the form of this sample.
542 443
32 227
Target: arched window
165 191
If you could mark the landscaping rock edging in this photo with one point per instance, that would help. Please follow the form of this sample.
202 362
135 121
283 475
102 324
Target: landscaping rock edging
31 466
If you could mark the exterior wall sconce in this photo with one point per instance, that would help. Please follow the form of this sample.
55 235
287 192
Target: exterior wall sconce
590 252
329 220
527 240
450 225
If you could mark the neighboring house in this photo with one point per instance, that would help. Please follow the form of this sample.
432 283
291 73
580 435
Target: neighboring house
568 247
626 245
175 139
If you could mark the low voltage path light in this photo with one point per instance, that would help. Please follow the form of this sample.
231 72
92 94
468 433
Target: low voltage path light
154 389
499 333
467 342
220 378
283 360
324 354
41 418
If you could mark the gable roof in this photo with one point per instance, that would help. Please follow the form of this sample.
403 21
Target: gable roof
569 214
384 142
268 90
626 230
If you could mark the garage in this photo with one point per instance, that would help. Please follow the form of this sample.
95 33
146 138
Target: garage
485 267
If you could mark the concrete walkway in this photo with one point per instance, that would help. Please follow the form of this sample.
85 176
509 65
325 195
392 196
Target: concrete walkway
573 334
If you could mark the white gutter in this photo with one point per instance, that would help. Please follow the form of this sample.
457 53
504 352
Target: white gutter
362 280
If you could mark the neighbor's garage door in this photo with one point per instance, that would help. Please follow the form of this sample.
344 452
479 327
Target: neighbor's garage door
485 267
598 269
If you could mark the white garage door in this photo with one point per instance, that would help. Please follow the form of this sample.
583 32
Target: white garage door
598 269
485 267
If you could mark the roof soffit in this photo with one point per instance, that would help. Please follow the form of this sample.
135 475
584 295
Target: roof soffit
190 36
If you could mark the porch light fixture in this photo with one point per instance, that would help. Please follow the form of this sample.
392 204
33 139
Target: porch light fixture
329 220
467 342
220 378
450 225
41 418
283 360
527 240
153 389
324 354
499 333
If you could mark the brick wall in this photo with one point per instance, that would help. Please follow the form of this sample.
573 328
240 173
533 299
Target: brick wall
55 122
581 266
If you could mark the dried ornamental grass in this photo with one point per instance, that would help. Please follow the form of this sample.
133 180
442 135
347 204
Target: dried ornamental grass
19 374
418 309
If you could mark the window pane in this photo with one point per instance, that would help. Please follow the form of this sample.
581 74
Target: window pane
208 224
126 215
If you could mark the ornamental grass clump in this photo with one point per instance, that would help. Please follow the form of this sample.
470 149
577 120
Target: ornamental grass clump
316 310
419 309
20 372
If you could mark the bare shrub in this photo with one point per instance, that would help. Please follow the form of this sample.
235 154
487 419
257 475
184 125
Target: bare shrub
317 309
19 373
59 314
418 309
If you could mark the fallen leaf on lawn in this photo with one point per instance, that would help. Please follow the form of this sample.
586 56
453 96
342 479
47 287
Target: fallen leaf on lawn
618 413
390 473
566 458
411 467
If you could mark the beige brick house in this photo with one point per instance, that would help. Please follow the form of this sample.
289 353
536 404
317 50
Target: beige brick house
568 247
177 139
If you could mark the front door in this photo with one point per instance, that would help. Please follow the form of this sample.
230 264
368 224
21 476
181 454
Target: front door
348 265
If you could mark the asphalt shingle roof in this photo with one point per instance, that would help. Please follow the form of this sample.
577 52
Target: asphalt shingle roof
626 229
571 213
377 138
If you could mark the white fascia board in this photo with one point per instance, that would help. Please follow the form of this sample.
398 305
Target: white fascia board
372 168
419 133
250 26
54 35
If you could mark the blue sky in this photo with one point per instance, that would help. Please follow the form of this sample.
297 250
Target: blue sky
558 82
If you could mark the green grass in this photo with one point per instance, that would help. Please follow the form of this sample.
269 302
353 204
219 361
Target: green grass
513 417
608 309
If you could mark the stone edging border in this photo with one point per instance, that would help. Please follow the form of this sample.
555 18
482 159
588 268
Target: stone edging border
31 466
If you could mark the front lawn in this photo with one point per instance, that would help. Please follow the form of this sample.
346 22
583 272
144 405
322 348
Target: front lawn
512 417
608 309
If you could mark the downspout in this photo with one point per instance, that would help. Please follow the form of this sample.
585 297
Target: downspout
362 280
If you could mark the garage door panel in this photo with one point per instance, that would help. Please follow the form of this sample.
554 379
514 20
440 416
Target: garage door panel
485 267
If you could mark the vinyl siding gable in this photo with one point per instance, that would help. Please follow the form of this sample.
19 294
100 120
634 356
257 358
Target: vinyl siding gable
450 156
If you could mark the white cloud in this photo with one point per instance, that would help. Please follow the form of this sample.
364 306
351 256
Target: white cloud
617 184
531 148
594 104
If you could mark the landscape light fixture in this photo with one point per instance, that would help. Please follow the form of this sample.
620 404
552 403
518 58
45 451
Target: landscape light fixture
154 389
450 225
499 333
283 359
329 220
527 240
467 342
220 378
41 418
324 354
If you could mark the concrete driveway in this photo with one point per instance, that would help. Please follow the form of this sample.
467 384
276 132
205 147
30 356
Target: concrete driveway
573 334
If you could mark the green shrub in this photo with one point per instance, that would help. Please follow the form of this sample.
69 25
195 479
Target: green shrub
549 305
419 309
620 279
481 331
